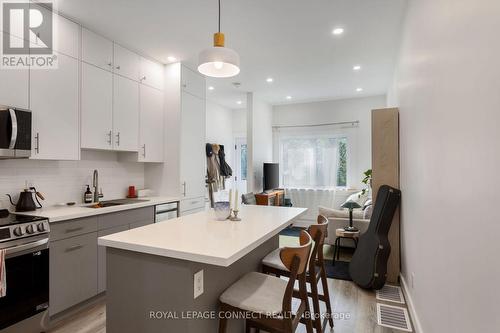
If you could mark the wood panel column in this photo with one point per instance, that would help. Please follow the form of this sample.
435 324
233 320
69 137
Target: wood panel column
385 166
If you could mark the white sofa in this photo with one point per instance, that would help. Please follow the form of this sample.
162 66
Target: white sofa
340 218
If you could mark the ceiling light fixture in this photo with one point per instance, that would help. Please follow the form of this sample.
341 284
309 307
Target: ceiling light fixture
359 89
269 80
171 59
211 88
356 68
239 102
219 61
288 97
338 31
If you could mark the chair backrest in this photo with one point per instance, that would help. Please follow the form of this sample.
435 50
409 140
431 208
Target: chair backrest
320 227
249 199
302 252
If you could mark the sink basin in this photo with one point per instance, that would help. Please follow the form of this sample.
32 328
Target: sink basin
118 202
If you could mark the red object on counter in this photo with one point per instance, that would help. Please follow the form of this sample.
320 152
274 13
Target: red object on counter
131 192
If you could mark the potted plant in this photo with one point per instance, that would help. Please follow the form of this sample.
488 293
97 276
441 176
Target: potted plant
367 181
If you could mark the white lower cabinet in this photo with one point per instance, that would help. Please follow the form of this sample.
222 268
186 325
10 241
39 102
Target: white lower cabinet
125 114
97 108
151 132
54 105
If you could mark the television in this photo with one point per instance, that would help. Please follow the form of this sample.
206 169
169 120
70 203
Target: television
271 176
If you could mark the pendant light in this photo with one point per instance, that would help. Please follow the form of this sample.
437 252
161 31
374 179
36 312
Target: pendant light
219 61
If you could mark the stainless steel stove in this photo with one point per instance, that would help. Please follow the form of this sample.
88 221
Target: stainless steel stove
25 240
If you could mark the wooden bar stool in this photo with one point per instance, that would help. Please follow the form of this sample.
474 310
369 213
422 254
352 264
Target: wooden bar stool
267 300
316 271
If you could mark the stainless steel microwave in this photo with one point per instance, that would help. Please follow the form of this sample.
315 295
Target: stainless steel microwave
15 133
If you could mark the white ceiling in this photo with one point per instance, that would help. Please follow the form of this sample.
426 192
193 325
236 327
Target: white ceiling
288 40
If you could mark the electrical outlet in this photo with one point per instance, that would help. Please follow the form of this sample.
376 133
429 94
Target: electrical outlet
412 282
198 284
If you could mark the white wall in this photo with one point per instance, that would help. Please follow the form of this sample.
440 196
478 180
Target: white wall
337 111
240 123
259 139
220 128
447 87
64 181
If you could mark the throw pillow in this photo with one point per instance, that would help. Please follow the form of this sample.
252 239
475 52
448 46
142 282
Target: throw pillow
367 213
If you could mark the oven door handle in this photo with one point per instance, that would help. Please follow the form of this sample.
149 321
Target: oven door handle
24 247
13 137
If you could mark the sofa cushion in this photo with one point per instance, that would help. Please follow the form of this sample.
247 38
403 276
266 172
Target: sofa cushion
335 213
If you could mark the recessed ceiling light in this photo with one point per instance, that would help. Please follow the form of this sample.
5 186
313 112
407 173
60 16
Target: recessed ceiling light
288 97
211 88
338 31
359 89
171 59
239 102
269 80
356 68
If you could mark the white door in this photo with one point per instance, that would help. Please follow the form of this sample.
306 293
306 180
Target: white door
151 134
97 50
240 164
54 106
14 85
97 108
126 63
125 114
193 160
151 73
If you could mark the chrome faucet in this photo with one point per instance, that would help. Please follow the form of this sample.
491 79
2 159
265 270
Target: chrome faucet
95 184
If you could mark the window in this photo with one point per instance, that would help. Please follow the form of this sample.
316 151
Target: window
243 162
314 162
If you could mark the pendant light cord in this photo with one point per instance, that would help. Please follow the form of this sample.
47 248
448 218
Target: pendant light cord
219 16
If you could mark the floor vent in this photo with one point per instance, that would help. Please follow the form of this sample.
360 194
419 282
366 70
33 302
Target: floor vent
393 317
391 294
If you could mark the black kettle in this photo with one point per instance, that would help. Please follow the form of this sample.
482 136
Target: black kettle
26 202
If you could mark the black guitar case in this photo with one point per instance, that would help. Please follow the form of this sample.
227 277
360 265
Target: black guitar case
368 267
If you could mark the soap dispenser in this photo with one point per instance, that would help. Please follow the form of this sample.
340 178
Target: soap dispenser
87 198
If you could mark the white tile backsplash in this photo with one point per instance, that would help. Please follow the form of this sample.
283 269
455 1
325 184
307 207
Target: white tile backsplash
64 181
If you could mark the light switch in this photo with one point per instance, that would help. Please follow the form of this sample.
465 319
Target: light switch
198 284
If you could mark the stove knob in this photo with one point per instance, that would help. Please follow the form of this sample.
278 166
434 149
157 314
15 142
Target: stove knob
31 229
18 231
41 227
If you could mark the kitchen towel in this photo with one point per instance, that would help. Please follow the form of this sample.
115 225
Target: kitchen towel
3 277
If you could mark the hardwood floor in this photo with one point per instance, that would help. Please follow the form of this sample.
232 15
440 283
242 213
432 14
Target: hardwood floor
348 300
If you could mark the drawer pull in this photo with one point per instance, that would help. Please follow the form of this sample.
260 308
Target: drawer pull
74 248
73 230
194 202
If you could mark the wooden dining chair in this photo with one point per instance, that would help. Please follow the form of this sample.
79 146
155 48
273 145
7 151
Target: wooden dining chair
316 271
267 300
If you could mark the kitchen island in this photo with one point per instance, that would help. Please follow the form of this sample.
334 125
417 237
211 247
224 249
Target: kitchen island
150 270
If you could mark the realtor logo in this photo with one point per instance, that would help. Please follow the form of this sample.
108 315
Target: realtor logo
28 35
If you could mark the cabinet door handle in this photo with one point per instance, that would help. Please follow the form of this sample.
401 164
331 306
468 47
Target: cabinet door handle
184 189
144 148
73 230
143 78
118 67
110 135
110 64
37 147
74 248
118 139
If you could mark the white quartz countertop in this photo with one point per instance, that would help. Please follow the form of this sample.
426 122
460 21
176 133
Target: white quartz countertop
201 238
63 213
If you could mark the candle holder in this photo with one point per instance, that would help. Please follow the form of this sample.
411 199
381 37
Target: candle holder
235 218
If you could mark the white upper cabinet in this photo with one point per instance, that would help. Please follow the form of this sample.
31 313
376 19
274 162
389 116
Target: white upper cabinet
54 105
125 114
97 108
151 125
14 86
66 34
192 82
152 73
126 63
97 50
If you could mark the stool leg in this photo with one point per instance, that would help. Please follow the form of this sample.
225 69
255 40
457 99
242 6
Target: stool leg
338 251
315 299
335 251
305 299
326 293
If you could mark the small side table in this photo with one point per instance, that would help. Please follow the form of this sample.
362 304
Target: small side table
342 234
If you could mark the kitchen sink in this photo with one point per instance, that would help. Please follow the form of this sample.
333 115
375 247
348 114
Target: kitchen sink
118 202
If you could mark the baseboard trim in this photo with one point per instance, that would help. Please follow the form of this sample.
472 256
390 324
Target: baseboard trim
409 302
